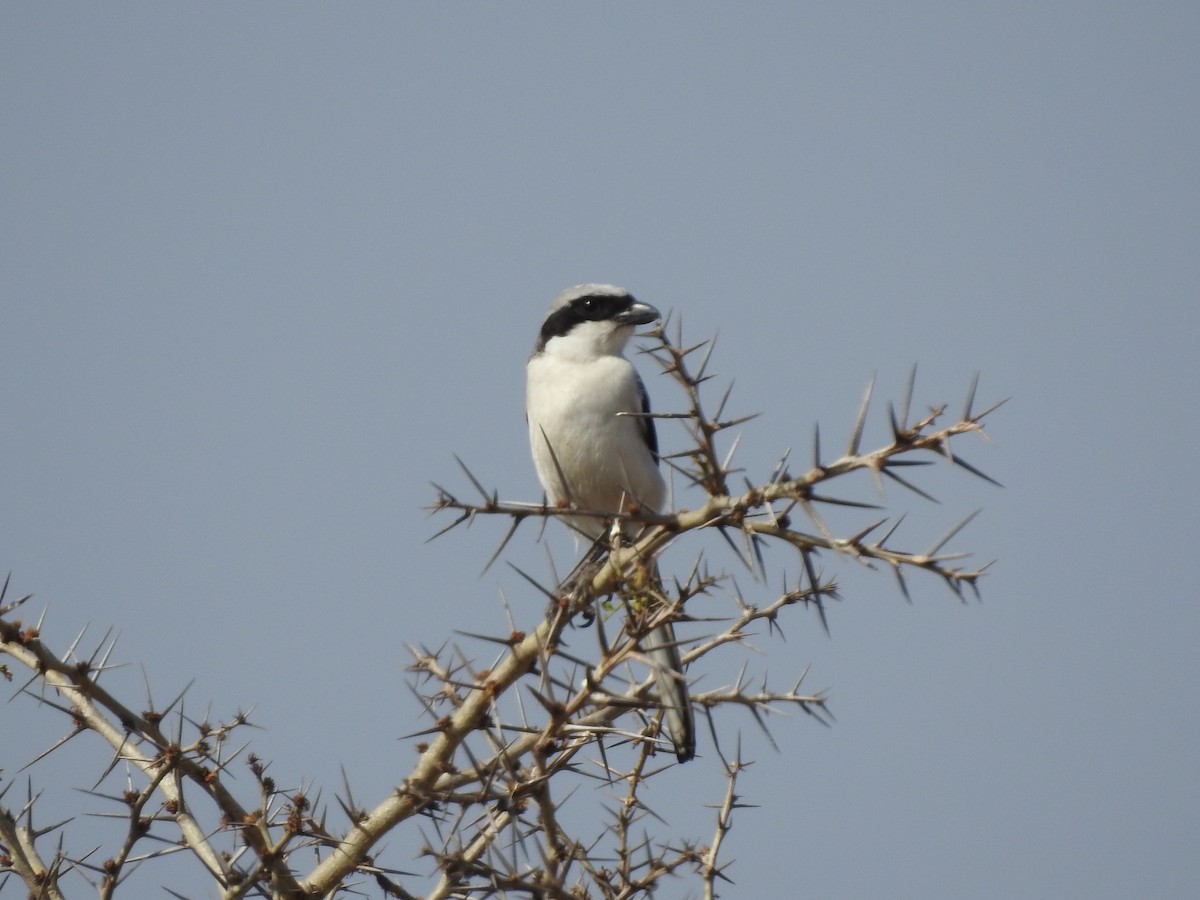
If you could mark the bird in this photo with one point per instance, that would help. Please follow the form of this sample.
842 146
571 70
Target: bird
589 456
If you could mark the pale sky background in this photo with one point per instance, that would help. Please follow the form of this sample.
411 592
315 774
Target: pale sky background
266 267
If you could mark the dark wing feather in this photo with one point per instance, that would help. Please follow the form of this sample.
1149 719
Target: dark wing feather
649 432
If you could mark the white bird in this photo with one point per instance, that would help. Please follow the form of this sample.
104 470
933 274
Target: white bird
590 457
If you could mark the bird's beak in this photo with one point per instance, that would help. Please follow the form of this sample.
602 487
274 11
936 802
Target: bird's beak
638 314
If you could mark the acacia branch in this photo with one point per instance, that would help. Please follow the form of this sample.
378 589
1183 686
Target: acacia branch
495 774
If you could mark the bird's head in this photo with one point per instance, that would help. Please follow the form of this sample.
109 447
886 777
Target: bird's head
591 320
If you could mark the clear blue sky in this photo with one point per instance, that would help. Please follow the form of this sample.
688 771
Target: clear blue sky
267 266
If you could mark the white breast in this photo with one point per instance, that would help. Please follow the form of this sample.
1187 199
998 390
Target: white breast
572 407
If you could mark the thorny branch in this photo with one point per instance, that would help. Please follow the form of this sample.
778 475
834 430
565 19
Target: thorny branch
509 746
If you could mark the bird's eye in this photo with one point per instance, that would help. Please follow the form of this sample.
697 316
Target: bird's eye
589 306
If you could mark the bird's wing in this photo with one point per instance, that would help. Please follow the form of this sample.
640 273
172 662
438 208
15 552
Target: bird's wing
649 432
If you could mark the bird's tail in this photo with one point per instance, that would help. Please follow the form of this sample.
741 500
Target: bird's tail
663 653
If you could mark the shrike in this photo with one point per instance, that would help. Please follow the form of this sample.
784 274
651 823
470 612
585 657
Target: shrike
590 457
